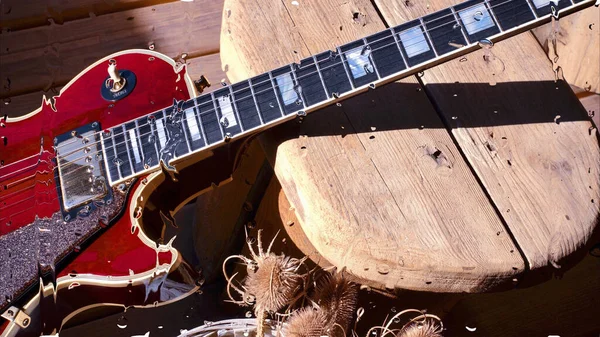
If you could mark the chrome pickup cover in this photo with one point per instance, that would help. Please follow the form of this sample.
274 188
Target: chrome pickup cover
80 164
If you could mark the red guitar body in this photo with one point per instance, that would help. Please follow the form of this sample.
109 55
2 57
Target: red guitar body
116 254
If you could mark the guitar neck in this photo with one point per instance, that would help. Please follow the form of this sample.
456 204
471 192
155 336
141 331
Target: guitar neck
234 111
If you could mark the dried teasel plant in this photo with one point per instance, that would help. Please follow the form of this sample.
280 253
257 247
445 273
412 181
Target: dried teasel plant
272 282
422 325
333 304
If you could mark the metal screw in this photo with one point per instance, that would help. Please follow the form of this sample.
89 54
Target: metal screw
26 322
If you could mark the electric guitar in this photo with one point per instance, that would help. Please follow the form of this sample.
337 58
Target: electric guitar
90 181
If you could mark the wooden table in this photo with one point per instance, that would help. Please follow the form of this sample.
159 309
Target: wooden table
440 182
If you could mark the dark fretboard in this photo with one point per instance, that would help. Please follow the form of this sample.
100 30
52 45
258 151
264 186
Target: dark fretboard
210 120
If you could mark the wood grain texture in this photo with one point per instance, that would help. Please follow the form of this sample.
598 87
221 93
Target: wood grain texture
22 14
527 138
366 180
209 66
578 47
56 53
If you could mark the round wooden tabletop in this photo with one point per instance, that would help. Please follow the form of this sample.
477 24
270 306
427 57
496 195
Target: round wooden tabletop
471 176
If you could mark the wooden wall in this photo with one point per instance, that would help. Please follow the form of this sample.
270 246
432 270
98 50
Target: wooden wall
44 44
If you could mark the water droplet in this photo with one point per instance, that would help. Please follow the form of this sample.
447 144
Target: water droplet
338 104
122 322
463 59
117 161
485 43
250 240
454 117
251 224
271 104
383 269
224 121
248 314
372 85
456 26
478 16
7 101
470 329
366 51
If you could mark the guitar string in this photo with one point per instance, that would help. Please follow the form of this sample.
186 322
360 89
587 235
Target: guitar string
405 46
273 85
142 154
140 150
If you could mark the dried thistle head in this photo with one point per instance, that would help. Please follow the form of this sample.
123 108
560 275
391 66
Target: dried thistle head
273 281
307 322
423 325
426 328
337 297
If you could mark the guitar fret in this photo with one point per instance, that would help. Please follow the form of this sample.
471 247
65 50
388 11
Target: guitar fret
513 14
531 8
345 67
319 72
120 149
202 132
458 23
398 45
255 102
424 28
371 57
228 119
477 19
212 95
386 53
313 91
295 78
135 147
237 111
275 92
357 56
155 138
184 128
246 105
137 135
109 157
489 8
127 147
333 73
287 90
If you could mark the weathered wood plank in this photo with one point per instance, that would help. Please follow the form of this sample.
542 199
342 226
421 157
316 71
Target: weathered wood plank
22 14
56 53
577 47
369 187
527 138
209 66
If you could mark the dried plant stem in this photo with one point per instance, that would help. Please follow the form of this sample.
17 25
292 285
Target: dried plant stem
261 318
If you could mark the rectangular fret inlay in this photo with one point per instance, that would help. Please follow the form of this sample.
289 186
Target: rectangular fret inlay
227 112
134 146
162 136
414 42
358 61
285 87
476 19
192 124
